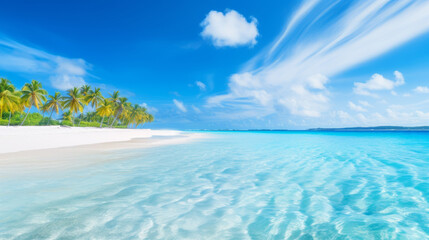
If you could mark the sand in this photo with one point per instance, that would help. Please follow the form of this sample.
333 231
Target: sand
24 149
18 139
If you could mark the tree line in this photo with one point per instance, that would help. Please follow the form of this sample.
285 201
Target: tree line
114 111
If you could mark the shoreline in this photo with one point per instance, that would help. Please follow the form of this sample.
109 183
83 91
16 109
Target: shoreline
75 156
26 138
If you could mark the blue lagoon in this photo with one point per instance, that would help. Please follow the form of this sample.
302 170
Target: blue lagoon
232 185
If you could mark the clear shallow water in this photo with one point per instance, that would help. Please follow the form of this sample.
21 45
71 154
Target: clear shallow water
233 186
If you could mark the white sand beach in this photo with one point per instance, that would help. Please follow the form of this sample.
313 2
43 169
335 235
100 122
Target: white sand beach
38 148
18 139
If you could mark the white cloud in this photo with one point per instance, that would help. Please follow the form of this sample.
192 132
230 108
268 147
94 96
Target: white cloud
377 83
197 110
63 73
399 78
149 108
362 118
180 105
356 107
422 89
229 29
344 116
364 103
280 76
69 73
201 85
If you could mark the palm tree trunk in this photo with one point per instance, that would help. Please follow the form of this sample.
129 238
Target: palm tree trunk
10 114
50 117
72 117
81 116
108 121
25 118
111 125
101 123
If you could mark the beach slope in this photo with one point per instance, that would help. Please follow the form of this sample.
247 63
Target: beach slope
18 139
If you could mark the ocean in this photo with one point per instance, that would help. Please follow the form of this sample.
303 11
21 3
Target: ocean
233 185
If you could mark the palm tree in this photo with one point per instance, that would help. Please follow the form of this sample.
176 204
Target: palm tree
120 107
94 97
32 95
90 116
67 116
134 113
43 109
138 115
9 98
84 90
55 103
125 115
150 118
144 119
74 101
114 98
104 110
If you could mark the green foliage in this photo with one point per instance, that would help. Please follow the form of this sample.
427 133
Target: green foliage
45 121
66 123
91 124
33 119
4 122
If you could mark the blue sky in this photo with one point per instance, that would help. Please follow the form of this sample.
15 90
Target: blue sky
231 64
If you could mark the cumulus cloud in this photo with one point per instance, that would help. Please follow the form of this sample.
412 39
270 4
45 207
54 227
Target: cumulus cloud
377 82
229 29
356 107
201 85
180 105
422 89
62 72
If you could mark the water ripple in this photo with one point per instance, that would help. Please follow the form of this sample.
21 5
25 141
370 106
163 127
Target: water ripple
234 186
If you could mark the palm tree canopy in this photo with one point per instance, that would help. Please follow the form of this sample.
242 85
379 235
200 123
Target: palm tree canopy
121 105
55 102
33 94
105 109
94 97
74 100
85 89
9 97
114 97
67 116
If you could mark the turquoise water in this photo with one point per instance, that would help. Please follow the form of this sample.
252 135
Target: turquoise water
236 185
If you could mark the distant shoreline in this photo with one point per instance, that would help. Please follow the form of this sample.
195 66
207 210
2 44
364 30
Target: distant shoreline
348 129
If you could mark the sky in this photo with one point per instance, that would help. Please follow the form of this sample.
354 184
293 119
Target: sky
231 64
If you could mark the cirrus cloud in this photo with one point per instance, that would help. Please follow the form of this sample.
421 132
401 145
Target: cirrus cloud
201 85
62 72
180 105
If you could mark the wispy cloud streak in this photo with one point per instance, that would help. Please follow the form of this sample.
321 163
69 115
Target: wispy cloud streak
62 72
